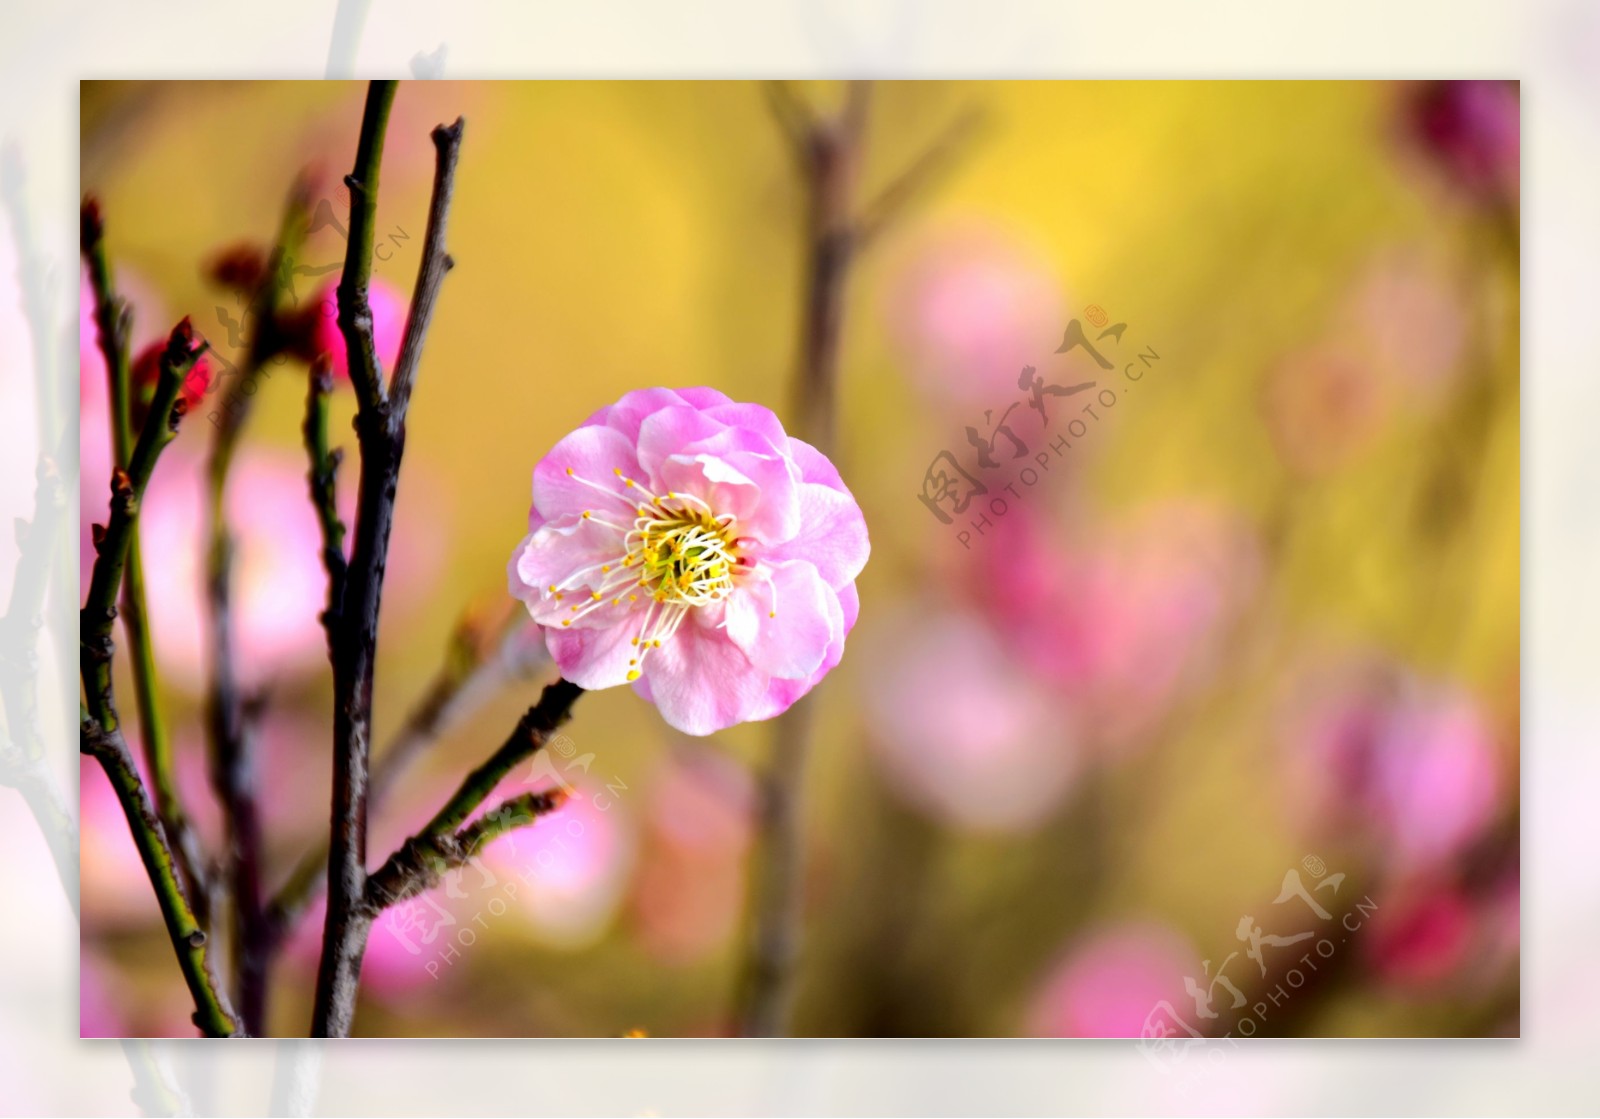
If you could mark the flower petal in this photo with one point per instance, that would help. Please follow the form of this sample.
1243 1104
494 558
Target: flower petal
596 657
701 683
785 619
549 556
593 454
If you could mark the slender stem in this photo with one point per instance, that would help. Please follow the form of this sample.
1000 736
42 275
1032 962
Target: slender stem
99 733
416 867
355 310
381 434
213 1015
447 839
232 768
532 730
112 319
323 478
833 167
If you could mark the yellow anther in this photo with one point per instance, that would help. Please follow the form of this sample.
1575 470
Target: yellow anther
633 674
569 472
566 621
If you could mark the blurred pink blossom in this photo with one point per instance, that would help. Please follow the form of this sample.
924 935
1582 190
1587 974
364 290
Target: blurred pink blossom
1425 940
280 586
959 731
691 881
389 309
1377 750
1125 618
970 308
1472 131
571 867
113 887
1108 983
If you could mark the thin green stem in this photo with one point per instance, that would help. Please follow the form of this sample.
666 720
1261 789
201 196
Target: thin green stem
212 1015
113 318
533 729
355 312
417 865
99 732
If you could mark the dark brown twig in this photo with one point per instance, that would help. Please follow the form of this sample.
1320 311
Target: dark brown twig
448 840
481 660
229 726
380 432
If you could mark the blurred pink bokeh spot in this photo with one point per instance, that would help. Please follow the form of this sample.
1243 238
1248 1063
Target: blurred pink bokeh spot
388 325
1376 750
969 308
279 583
394 966
1126 617
1472 130
1110 981
960 730
1426 941
113 885
571 867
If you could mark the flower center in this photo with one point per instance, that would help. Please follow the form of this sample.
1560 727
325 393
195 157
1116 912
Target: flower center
684 556
678 552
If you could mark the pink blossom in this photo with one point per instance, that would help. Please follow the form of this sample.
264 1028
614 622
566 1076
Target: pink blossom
146 371
960 731
686 544
1110 982
389 310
